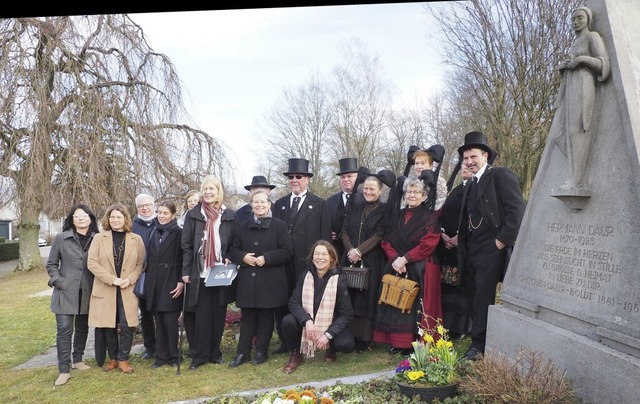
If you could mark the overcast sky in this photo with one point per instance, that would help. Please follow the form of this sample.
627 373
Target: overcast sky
235 64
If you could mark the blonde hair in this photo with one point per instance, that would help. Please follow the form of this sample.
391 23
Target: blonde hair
212 180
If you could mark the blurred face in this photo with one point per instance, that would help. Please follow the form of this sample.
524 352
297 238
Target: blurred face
421 163
145 207
116 220
466 174
579 20
475 159
298 183
81 221
164 215
371 190
321 258
347 181
260 204
210 193
414 196
193 200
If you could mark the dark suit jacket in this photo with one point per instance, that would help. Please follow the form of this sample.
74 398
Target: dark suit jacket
499 200
313 223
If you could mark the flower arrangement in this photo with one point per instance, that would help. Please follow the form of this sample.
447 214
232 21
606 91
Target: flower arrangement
307 396
433 361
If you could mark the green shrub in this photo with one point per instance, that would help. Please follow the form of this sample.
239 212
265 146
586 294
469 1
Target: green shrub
2 240
9 251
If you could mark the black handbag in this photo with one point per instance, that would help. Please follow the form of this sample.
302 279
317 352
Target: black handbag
357 277
140 289
449 275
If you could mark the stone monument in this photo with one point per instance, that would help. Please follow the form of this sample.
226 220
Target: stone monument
572 289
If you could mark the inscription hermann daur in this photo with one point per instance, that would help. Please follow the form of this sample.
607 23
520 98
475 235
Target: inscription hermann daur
575 263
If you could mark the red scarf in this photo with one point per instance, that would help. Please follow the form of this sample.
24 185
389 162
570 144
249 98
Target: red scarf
211 214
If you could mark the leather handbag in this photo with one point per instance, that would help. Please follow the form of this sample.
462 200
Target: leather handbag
398 292
449 275
140 289
357 277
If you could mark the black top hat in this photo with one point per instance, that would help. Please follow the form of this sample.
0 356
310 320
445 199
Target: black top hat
476 140
299 166
259 181
348 165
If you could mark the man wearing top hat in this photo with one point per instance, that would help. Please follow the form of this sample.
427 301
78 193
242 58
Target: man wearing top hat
258 182
492 210
340 202
307 216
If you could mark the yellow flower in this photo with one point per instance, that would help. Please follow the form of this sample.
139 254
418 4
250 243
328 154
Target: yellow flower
428 338
441 330
444 344
415 374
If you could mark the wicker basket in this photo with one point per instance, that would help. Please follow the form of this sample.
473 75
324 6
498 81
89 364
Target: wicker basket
357 277
398 292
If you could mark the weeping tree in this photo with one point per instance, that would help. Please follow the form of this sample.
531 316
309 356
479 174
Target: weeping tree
503 55
89 113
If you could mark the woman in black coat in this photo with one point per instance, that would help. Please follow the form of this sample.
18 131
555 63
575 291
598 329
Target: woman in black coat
209 229
164 283
362 233
262 246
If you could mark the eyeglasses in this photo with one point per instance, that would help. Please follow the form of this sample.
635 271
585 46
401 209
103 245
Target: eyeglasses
298 177
146 205
413 192
80 216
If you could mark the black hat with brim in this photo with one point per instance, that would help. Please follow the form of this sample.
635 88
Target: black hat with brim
259 181
298 166
476 140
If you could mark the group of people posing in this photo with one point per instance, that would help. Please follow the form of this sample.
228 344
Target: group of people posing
289 254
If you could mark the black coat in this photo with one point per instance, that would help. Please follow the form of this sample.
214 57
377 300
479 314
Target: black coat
164 268
313 223
342 312
266 286
499 200
192 234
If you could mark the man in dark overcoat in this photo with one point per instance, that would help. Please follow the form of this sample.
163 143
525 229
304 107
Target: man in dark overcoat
492 210
340 202
307 223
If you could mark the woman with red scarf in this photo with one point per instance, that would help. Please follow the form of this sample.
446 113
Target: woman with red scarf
209 229
410 246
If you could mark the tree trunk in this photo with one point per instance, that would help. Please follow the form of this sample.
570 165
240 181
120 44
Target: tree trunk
29 227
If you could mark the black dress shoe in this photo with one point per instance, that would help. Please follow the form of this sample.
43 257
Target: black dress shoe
239 360
195 366
156 365
282 350
473 354
148 355
217 361
260 358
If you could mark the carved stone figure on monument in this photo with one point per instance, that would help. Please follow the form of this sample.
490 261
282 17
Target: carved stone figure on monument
588 59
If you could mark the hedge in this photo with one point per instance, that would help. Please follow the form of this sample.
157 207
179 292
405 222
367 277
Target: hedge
9 251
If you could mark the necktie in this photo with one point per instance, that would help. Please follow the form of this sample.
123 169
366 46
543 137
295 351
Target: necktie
294 210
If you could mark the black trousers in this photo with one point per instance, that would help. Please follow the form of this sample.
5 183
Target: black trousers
257 322
292 330
65 332
148 326
167 336
484 263
210 319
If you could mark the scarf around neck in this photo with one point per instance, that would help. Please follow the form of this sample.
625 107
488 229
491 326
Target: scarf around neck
324 316
211 214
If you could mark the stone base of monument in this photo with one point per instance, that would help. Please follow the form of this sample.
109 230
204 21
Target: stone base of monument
599 373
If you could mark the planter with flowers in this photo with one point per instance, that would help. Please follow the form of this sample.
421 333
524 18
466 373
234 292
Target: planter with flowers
431 369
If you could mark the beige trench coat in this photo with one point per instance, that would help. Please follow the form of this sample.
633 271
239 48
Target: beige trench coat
102 306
